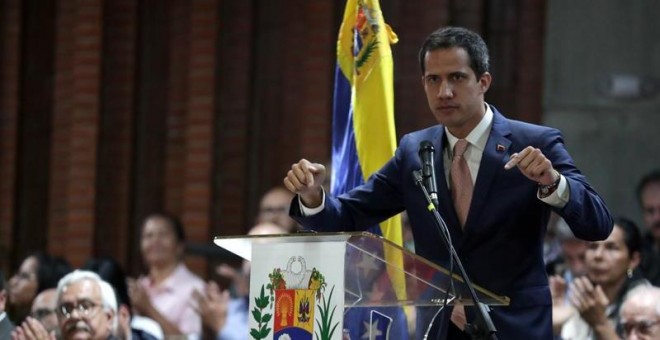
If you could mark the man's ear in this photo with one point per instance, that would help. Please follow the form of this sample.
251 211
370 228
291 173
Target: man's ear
123 313
113 321
484 82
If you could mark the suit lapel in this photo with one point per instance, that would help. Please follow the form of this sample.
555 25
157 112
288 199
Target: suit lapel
492 162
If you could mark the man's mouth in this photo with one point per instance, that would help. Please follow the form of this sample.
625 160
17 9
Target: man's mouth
447 107
72 328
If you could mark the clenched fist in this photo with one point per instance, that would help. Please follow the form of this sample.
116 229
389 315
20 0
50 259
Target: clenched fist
305 179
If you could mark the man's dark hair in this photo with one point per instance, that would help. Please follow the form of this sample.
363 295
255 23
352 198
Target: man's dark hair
449 37
2 281
173 221
631 234
651 177
111 272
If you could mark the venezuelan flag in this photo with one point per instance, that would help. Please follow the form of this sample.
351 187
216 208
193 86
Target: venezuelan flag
363 133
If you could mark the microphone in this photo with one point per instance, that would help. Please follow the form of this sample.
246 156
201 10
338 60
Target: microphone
426 156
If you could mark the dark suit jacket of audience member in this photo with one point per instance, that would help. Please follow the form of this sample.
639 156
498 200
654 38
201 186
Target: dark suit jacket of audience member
6 326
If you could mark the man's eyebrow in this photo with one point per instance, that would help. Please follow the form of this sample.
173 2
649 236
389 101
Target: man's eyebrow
458 73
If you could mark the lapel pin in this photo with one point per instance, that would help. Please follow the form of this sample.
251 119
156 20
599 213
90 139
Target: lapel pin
500 147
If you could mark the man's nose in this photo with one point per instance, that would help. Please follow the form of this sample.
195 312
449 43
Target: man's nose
75 314
445 90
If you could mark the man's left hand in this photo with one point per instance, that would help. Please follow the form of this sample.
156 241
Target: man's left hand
534 165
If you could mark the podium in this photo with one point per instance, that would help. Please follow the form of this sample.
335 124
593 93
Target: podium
343 286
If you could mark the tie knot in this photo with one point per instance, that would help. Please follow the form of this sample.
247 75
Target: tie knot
460 147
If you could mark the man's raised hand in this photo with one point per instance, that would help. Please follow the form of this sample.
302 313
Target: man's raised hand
305 179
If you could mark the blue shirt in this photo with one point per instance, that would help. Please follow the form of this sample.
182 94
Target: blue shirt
236 327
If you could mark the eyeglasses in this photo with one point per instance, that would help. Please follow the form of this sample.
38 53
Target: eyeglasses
85 308
644 327
42 313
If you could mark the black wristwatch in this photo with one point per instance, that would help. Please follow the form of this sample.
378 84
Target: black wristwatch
547 190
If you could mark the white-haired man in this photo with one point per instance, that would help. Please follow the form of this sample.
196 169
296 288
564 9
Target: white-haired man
86 307
640 314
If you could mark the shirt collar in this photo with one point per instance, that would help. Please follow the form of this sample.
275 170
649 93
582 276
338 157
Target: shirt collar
3 315
478 137
170 283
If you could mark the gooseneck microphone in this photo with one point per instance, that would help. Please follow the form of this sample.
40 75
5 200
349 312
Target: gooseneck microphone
483 327
426 156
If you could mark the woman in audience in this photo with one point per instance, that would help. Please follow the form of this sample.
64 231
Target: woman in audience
37 273
596 297
165 294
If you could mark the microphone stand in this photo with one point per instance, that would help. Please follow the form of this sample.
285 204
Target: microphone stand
483 327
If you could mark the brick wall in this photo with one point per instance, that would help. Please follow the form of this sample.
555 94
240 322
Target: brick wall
10 28
195 108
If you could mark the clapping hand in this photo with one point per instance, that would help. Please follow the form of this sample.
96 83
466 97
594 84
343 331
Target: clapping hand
212 306
31 329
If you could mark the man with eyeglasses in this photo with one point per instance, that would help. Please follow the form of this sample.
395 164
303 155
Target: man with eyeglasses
42 322
640 314
44 310
86 307
274 208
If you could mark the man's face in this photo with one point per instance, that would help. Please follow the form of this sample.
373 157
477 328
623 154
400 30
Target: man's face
454 94
81 314
44 309
650 197
640 319
274 208
573 251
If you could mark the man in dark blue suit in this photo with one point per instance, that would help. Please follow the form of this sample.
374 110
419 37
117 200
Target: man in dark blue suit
518 173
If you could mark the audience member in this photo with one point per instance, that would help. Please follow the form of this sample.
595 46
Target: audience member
86 306
37 273
86 309
274 208
571 264
648 192
131 327
165 294
610 274
228 317
640 314
551 247
44 310
6 326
